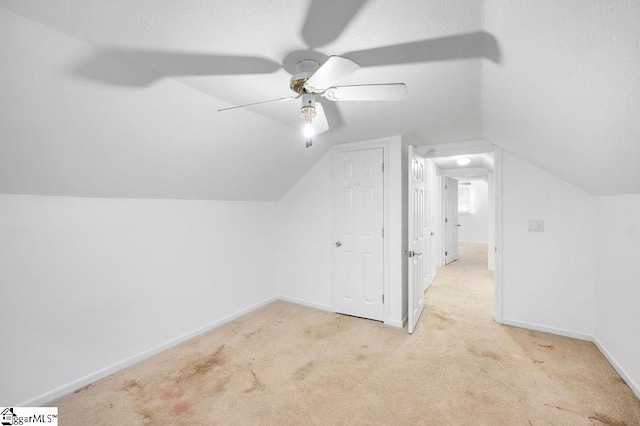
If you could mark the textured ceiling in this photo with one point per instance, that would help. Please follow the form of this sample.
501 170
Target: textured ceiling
119 98
114 98
566 96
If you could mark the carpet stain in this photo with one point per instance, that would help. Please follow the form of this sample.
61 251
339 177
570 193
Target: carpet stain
442 317
131 384
535 361
172 395
486 354
302 372
563 409
338 324
251 334
619 380
236 326
204 365
551 347
180 408
607 420
361 358
221 384
444 321
492 355
257 385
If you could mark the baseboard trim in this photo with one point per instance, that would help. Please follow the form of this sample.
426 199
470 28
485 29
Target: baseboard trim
100 374
306 303
546 329
616 366
396 323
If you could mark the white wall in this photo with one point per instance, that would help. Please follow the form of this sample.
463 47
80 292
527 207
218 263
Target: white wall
548 280
304 243
90 283
617 289
303 252
475 226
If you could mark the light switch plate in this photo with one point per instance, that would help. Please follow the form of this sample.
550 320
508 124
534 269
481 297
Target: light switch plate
536 225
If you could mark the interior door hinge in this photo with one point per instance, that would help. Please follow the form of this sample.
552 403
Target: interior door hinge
382 167
383 298
446 220
382 232
446 253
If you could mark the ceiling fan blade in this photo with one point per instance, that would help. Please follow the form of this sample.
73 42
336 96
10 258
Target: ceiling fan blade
334 117
334 68
320 123
260 103
166 63
464 46
367 92
326 19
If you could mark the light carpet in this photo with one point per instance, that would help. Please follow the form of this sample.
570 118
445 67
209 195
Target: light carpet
285 364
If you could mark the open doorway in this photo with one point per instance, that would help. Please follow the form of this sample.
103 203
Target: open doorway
466 193
465 204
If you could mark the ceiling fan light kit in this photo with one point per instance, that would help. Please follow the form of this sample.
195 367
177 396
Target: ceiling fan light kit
313 79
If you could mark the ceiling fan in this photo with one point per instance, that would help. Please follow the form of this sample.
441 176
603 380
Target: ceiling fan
313 74
311 80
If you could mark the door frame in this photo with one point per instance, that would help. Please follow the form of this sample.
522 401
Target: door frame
480 147
360 146
490 182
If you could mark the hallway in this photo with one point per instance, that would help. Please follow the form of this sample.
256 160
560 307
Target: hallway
464 287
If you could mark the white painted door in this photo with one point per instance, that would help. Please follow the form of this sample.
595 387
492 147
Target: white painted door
358 218
417 240
430 225
451 220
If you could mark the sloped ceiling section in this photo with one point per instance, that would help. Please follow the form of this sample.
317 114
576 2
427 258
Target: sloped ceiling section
566 96
119 98
63 135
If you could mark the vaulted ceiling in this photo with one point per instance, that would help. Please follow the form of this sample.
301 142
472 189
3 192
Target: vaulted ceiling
120 98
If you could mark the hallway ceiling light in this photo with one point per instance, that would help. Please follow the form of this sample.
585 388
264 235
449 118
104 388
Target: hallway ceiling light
463 161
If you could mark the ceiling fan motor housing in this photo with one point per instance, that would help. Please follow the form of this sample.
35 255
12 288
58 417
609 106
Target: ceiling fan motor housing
304 69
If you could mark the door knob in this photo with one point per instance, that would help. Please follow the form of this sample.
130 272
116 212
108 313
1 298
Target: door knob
338 244
433 233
